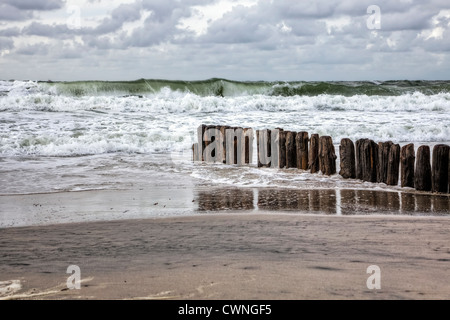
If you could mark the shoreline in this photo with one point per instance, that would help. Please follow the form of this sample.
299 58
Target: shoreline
39 209
195 242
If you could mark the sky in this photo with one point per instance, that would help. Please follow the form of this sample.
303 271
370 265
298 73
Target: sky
246 40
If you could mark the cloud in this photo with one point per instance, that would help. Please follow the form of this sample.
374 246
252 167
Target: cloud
33 49
242 39
11 13
35 4
123 13
10 32
50 31
6 43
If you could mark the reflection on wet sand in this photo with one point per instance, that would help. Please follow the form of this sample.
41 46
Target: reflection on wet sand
225 199
333 201
299 200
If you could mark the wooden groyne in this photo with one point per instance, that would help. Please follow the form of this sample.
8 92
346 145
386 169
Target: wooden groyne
366 160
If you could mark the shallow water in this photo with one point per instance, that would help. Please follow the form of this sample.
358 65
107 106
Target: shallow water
133 136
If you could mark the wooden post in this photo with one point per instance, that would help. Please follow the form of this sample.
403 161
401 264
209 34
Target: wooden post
259 149
314 153
366 160
208 142
422 174
237 148
393 165
263 150
347 159
291 152
407 158
235 144
440 168
223 132
383 160
248 133
214 144
203 141
282 141
327 156
301 141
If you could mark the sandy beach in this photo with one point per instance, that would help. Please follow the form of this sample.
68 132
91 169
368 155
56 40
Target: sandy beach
229 255
224 150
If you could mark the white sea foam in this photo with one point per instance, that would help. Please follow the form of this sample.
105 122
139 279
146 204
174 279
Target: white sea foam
35 122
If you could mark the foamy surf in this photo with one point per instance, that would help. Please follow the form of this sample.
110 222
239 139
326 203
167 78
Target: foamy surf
9 288
75 136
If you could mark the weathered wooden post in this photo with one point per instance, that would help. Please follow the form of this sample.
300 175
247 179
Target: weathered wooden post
282 154
263 141
291 152
268 148
347 159
214 144
314 153
440 168
366 160
223 132
199 147
393 165
422 174
207 140
239 145
245 132
301 141
327 156
248 134
383 160
258 149
407 159
235 145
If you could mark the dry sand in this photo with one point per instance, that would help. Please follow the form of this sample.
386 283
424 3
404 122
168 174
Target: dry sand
230 256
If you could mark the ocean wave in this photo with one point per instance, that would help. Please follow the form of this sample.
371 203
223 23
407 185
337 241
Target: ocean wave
225 88
37 119
167 101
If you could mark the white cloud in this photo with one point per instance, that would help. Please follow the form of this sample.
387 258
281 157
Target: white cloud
203 15
239 39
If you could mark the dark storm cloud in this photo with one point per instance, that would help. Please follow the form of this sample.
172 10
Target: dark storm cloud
278 38
6 43
161 25
33 49
123 13
238 26
11 13
10 32
35 4
46 30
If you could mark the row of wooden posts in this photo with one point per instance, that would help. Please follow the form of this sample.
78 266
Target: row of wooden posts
366 160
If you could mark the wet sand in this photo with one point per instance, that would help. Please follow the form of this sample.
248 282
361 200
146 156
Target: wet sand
230 255
181 201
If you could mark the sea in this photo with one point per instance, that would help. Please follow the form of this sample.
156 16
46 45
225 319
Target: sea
132 135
